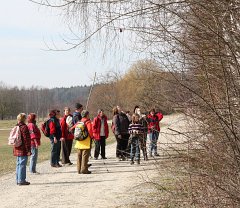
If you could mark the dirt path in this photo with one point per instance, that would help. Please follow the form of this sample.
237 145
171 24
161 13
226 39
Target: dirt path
107 186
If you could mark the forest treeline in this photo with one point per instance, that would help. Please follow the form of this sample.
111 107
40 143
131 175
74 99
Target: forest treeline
14 100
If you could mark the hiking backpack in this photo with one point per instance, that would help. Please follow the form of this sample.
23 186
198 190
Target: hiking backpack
69 122
81 132
15 138
45 128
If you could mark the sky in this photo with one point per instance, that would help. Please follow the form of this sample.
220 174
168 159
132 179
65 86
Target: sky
26 30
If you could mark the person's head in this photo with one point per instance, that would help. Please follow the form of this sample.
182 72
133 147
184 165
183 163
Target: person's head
67 111
85 114
52 113
31 118
152 112
100 112
119 108
21 117
137 110
58 115
78 107
135 118
115 111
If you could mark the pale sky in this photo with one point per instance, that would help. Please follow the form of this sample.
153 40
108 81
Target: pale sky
25 60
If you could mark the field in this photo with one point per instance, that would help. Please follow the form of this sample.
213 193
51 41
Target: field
8 161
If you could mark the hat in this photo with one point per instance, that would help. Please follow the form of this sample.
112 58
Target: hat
78 105
84 113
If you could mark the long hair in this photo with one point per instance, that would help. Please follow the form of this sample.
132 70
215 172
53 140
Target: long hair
115 111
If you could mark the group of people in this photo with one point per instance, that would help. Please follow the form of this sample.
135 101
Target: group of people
131 133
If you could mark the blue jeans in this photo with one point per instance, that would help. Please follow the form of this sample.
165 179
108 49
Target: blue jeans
55 152
33 160
21 169
152 148
135 151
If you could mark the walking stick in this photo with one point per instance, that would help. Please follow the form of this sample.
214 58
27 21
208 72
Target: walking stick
90 92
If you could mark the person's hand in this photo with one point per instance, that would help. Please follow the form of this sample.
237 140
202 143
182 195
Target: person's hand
62 139
55 140
36 146
119 136
29 153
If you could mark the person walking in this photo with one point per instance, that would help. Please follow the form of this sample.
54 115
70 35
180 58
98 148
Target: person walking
83 147
35 141
136 132
67 137
23 151
100 134
55 136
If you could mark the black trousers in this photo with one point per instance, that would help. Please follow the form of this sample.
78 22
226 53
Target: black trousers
122 150
66 150
100 145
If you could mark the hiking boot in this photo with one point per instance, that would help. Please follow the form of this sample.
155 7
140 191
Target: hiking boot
24 183
156 154
131 163
138 162
35 173
88 172
89 165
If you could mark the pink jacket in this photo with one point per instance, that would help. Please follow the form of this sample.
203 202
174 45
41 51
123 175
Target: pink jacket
34 134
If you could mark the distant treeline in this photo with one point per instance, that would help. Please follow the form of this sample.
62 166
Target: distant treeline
14 100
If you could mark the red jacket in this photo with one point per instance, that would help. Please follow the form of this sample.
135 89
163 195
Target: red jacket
160 117
88 124
97 127
153 123
34 134
65 130
25 148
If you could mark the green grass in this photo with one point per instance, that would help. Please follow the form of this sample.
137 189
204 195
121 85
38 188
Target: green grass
8 161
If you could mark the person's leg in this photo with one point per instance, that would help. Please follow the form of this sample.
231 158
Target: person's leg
137 154
22 168
156 134
17 169
33 159
31 168
118 153
65 158
58 151
54 153
84 165
126 149
154 144
103 144
69 147
97 149
79 160
149 139
133 149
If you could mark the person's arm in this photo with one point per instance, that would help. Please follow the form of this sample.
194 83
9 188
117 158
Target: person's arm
116 123
106 128
89 128
26 138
